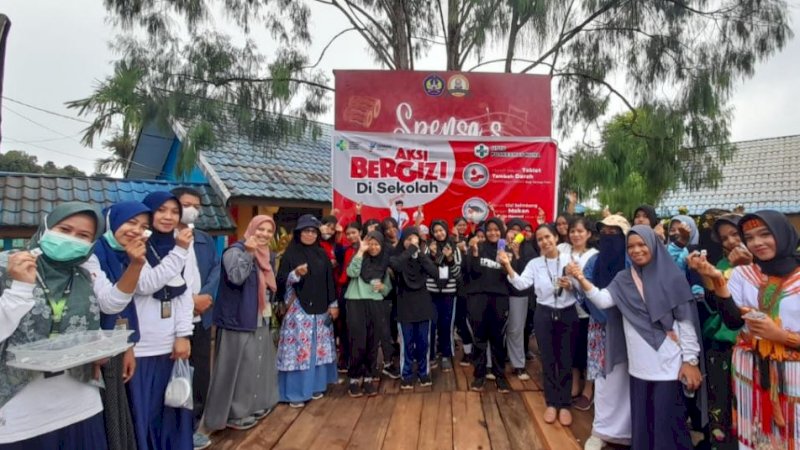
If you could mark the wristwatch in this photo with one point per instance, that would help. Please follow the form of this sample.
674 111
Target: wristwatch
693 361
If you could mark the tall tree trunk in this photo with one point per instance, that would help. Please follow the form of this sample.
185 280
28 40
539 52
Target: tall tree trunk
512 37
453 35
5 25
400 19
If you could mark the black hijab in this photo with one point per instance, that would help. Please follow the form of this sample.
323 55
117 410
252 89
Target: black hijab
488 249
650 212
315 291
610 260
374 267
786 258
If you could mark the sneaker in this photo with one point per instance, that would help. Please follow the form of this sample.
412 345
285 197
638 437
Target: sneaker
260 414
466 360
354 389
407 384
242 424
447 364
434 363
369 388
297 404
391 371
200 441
490 376
425 381
521 374
502 385
317 395
478 384
594 443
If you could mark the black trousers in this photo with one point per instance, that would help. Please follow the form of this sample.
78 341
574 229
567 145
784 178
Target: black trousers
340 333
366 323
388 336
442 325
200 359
487 315
658 416
556 341
461 320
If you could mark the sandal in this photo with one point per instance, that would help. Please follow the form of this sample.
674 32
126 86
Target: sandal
550 415
565 417
583 403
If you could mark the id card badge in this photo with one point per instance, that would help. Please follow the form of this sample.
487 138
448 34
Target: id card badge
444 272
166 309
121 324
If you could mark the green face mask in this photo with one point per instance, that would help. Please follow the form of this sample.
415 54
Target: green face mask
112 241
61 247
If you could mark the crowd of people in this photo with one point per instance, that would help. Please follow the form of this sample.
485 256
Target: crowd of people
670 331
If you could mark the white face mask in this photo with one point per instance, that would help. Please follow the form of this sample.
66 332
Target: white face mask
325 236
190 215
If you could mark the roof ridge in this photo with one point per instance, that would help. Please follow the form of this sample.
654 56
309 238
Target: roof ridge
139 180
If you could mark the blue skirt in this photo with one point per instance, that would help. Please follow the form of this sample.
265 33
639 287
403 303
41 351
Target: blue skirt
89 433
297 386
157 426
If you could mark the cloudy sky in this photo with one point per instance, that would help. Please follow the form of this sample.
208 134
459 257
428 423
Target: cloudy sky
57 51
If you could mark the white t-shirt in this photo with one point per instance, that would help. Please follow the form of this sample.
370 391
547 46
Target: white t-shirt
539 273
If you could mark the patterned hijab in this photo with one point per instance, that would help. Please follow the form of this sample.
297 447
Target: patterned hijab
266 276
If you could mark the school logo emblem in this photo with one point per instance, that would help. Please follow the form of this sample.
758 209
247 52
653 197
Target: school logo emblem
433 85
458 86
476 175
481 151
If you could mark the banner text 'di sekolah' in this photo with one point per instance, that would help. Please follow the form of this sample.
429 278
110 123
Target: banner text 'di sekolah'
453 142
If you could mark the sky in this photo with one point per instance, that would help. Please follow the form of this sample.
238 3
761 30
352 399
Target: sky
58 51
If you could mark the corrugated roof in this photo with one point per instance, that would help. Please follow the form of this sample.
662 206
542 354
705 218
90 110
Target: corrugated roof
761 175
25 198
295 168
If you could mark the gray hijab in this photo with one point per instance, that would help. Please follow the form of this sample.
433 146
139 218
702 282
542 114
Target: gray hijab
668 296
694 235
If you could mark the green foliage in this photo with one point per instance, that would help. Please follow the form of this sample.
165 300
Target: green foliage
21 162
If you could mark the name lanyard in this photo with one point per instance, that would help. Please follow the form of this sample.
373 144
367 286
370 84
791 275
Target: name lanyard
57 306
554 276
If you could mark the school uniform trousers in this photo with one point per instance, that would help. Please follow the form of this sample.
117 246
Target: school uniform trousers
556 340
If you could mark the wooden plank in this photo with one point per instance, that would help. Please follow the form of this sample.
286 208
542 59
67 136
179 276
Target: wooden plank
554 436
336 431
304 429
436 423
370 430
462 384
515 383
444 381
389 386
521 432
469 426
494 423
267 433
403 432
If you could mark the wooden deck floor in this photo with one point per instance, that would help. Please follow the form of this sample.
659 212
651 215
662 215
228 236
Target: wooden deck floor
444 416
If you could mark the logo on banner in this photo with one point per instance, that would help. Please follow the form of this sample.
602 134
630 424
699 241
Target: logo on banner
475 209
481 151
433 85
342 145
458 86
476 175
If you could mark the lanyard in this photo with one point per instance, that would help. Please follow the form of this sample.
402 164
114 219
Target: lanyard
554 276
57 306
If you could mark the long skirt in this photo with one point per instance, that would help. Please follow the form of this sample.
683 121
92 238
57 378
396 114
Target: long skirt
297 386
158 427
86 434
116 410
612 406
658 413
767 408
245 378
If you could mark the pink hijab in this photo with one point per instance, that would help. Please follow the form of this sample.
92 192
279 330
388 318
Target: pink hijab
266 276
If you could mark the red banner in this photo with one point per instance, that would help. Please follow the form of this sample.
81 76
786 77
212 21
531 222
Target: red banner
456 143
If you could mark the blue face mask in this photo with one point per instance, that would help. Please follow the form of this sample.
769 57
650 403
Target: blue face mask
62 247
112 241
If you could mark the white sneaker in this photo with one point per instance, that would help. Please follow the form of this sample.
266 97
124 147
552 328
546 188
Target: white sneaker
594 443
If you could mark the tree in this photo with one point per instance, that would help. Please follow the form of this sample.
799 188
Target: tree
21 162
680 58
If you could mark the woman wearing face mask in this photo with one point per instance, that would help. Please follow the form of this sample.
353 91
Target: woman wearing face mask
765 299
487 304
445 254
366 322
306 351
661 336
555 322
126 223
165 308
61 291
244 388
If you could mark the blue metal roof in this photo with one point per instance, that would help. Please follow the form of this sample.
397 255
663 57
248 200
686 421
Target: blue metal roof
25 198
761 175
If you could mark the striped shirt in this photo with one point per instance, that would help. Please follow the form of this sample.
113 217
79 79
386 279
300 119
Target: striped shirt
449 270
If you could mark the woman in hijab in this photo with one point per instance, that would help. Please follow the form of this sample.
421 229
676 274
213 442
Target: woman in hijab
445 254
612 409
126 223
61 291
487 304
306 350
661 336
366 321
765 298
646 215
165 308
244 388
